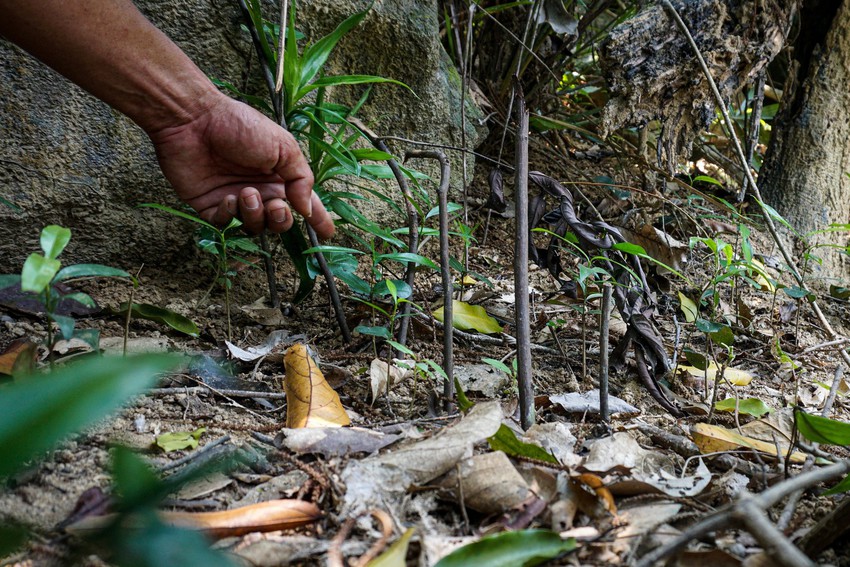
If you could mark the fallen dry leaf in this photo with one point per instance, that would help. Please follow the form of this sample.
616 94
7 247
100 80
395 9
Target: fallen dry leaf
715 439
310 400
263 517
736 376
490 484
19 358
378 375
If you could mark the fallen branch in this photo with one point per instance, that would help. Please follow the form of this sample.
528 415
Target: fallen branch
734 514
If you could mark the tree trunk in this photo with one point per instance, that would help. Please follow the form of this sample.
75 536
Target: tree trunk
805 171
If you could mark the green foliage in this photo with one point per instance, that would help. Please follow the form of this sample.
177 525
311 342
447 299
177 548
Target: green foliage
42 272
179 440
160 315
828 432
748 406
223 245
38 411
510 549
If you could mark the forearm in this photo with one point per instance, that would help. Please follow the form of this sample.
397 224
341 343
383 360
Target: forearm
110 49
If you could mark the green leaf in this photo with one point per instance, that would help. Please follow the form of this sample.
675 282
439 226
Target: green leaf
315 56
688 307
839 488
821 429
707 179
161 315
295 244
179 440
12 538
8 280
54 239
630 248
402 290
408 257
336 80
66 325
707 326
506 441
38 412
381 332
523 548
325 249
38 272
396 555
180 214
81 298
90 271
723 336
497 364
466 317
795 292
696 359
748 406
463 402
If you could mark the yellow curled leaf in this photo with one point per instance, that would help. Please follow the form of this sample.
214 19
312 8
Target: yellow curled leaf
736 376
715 439
310 400
688 307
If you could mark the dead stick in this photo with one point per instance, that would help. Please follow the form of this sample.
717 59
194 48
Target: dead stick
445 269
726 516
521 306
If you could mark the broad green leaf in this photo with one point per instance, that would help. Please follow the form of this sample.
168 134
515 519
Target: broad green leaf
504 440
38 272
161 315
795 292
90 271
372 154
748 406
707 179
466 317
39 411
707 326
401 289
696 359
630 248
179 440
688 307
523 548
396 555
822 430
54 239
723 336
180 214
325 249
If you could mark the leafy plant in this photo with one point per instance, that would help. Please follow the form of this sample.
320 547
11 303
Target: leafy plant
225 245
42 274
828 432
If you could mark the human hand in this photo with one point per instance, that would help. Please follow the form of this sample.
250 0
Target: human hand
231 161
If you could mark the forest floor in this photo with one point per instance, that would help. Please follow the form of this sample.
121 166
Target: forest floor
620 496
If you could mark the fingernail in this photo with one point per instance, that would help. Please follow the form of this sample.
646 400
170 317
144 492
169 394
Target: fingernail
309 209
252 202
230 204
279 215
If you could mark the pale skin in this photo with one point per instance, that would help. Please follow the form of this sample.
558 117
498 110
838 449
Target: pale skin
222 157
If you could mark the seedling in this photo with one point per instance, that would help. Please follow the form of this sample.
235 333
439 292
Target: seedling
41 275
222 244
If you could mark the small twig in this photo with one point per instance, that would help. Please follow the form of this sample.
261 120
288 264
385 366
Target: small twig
773 541
771 226
448 147
522 310
833 391
227 393
445 269
197 453
755 123
828 344
270 270
605 320
461 499
281 44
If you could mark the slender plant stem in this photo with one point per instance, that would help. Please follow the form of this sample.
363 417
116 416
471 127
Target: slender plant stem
604 326
270 270
264 65
332 290
771 226
521 304
445 269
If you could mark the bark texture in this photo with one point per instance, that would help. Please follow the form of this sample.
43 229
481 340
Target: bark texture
653 74
805 175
